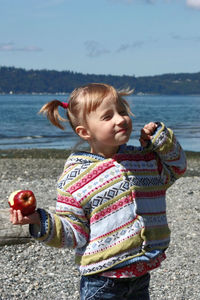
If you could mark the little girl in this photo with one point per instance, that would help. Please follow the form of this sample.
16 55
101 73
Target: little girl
111 201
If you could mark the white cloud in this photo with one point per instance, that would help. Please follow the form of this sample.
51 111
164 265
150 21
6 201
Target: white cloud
124 47
193 3
185 38
30 49
95 49
8 47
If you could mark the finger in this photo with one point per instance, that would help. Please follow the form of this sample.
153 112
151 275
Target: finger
149 129
20 217
145 133
14 217
151 126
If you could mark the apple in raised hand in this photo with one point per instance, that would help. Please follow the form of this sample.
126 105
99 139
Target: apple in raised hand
23 200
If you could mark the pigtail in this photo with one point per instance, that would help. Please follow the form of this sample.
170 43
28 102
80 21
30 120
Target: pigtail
126 92
50 109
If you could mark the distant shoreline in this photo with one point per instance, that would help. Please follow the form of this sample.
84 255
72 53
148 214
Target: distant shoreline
19 80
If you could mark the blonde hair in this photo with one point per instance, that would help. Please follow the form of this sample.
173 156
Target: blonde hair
82 101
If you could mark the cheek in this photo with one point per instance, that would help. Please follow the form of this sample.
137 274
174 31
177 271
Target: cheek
129 122
105 132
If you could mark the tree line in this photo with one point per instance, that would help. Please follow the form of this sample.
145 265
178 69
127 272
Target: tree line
21 81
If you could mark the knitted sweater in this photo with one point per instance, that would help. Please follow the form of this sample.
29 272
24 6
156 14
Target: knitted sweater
113 210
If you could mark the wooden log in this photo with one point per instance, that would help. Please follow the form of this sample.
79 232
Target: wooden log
12 234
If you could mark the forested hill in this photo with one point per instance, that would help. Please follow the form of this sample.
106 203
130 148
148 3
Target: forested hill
21 81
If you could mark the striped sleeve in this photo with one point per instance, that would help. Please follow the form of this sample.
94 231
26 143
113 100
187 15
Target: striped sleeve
172 157
68 228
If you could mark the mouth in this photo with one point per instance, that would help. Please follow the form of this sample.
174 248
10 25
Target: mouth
122 130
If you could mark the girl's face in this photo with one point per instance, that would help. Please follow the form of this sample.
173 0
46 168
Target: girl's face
108 127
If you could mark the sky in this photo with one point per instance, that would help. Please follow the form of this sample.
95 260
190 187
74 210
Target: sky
117 37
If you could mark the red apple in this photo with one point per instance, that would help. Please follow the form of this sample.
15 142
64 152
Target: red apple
24 201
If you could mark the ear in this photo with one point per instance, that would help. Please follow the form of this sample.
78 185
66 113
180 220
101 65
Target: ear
83 133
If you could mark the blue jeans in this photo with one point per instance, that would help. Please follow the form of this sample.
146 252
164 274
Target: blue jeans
94 287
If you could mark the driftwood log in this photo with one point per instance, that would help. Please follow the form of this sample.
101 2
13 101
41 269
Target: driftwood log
14 234
11 234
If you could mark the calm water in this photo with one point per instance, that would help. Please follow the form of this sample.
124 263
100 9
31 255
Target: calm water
21 126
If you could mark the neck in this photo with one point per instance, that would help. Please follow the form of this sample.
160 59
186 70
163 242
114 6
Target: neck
107 153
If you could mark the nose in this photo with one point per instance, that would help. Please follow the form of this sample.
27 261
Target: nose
119 119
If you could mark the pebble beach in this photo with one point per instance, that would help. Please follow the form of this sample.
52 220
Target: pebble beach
34 271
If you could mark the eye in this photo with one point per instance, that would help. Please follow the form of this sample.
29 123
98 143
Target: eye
106 117
123 112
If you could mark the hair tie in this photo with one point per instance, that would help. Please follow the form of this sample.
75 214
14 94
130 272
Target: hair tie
65 105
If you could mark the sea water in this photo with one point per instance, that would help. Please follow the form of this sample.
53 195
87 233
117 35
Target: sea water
21 127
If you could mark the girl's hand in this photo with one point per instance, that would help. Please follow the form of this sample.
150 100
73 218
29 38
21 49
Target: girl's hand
146 133
16 218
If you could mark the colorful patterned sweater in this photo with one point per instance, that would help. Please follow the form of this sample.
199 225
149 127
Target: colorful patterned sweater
113 211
